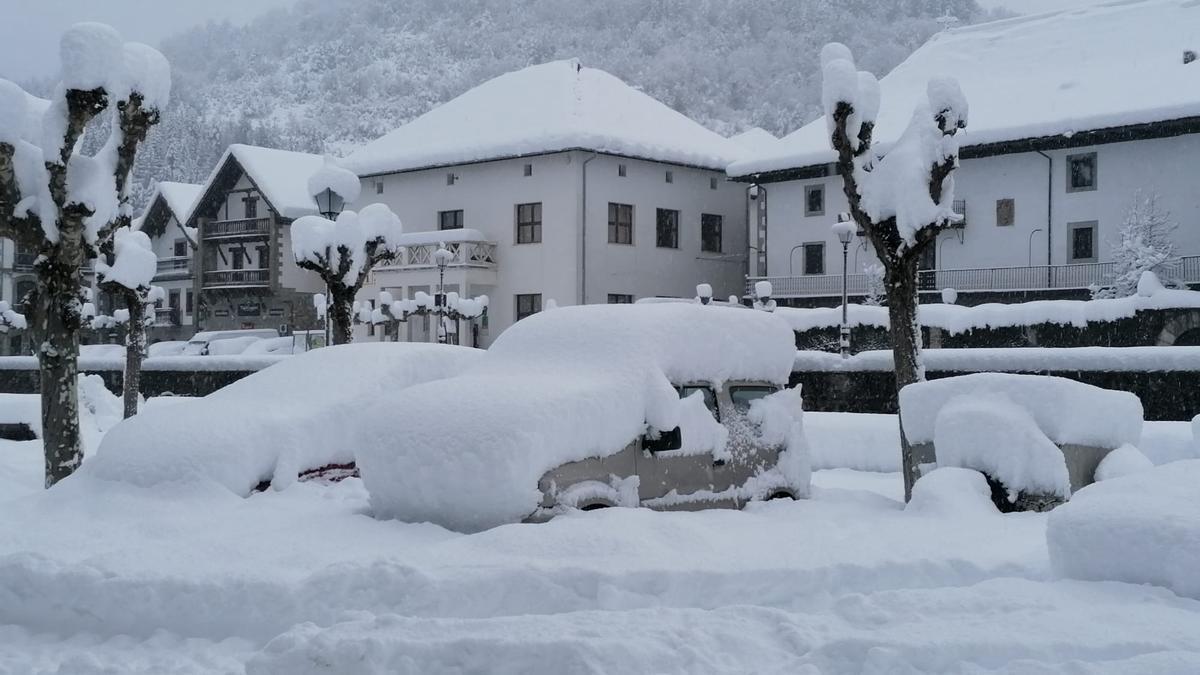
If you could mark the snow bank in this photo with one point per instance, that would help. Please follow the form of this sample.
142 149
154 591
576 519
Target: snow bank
861 441
1142 528
1123 461
991 434
1163 442
1015 359
99 410
274 424
1064 410
557 387
951 491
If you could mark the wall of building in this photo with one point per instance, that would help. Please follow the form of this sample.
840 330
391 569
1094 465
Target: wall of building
1162 166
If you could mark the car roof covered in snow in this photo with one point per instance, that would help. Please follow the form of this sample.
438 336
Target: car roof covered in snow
562 385
549 107
1051 74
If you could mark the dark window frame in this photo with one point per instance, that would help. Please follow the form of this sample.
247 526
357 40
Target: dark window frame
1094 228
455 214
620 298
179 248
1072 161
669 237
529 231
618 225
805 266
250 206
533 305
707 236
237 258
809 190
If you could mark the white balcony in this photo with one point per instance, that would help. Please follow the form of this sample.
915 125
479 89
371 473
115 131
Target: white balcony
173 268
243 228
255 278
468 248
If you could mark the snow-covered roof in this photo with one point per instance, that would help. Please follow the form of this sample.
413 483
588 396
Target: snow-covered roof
281 175
179 197
755 141
545 108
1063 72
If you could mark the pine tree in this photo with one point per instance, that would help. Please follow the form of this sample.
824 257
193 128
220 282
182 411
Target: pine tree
1145 245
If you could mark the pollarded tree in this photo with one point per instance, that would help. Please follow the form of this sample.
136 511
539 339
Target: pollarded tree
901 198
1145 245
128 276
65 204
343 254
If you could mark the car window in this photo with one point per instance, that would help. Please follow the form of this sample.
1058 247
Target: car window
710 397
743 395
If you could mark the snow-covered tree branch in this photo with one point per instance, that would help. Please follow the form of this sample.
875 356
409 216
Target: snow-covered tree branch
902 198
129 276
1145 245
66 205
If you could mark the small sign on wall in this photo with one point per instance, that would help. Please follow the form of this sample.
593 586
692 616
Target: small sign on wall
275 311
249 309
221 312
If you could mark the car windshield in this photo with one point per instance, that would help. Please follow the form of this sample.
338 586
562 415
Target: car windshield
710 396
743 395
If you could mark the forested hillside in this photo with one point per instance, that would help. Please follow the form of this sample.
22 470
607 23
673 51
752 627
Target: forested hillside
327 74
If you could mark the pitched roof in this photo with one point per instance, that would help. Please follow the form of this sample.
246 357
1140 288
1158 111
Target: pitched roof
1052 74
281 175
179 197
550 107
754 141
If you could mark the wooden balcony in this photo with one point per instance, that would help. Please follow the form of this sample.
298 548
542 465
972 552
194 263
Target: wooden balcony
256 278
173 268
244 228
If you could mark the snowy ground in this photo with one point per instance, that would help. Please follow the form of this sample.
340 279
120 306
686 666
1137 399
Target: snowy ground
103 578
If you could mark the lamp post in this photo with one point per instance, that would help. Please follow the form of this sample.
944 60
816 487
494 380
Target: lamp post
845 229
329 205
1031 245
441 258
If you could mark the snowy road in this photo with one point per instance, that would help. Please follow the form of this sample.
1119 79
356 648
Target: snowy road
96 577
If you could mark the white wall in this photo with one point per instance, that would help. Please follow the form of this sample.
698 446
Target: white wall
1168 167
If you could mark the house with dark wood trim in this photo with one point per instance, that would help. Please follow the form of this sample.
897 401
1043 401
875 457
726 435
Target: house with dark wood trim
174 245
1073 115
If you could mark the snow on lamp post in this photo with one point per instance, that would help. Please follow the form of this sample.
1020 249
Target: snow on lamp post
762 296
331 186
844 229
704 293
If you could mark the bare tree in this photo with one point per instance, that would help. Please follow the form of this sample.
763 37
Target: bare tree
343 253
65 204
901 199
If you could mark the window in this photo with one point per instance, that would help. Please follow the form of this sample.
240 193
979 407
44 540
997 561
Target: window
670 176
621 170
667 229
529 223
188 302
620 223
251 206
371 324
742 396
378 187
1082 241
173 299
814 200
1081 172
620 299
451 178
264 257
712 183
528 304
814 258
1005 212
710 233
450 220
180 248
528 169
710 397
239 258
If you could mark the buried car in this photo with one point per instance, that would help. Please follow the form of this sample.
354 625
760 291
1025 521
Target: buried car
678 406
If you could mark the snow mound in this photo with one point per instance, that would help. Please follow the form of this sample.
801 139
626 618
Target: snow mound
861 441
274 424
952 491
1139 529
1064 410
991 434
1123 461
557 387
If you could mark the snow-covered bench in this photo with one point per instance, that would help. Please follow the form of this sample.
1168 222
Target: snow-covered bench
1037 438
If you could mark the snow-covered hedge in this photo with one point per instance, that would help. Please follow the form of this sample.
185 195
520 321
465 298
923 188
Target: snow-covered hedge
563 385
1016 359
1141 528
270 426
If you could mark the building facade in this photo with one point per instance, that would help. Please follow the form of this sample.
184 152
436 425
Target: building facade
163 221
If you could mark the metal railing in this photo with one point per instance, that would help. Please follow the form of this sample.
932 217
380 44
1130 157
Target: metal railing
179 266
226 278
23 262
466 254
244 227
1074 276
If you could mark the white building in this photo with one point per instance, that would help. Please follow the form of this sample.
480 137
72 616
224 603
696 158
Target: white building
1071 113
246 276
558 182
163 220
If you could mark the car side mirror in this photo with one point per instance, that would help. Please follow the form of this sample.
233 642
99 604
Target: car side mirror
667 440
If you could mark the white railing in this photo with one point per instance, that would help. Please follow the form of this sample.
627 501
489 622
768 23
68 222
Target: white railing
174 267
1032 278
244 227
225 278
465 254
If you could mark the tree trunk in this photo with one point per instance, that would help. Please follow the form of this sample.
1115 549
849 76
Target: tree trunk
135 351
341 313
58 352
902 287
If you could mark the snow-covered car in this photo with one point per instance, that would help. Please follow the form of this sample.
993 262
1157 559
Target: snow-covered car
201 343
290 421
667 405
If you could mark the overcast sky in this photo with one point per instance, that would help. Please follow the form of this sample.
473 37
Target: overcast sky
30 29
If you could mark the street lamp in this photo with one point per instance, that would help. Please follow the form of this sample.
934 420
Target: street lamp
704 293
329 205
441 258
845 229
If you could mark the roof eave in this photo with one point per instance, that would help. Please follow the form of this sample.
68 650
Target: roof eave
541 153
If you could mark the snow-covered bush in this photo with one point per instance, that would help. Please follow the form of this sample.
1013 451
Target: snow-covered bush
1123 461
876 292
1142 528
1145 245
952 491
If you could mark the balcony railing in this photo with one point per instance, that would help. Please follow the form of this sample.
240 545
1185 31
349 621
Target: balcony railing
245 227
23 262
237 278
176 267
480 254
1033 278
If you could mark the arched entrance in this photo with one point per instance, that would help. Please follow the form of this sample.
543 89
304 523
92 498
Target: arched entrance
1182 330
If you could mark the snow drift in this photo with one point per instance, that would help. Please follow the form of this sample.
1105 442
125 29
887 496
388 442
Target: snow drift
557 387
272 425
